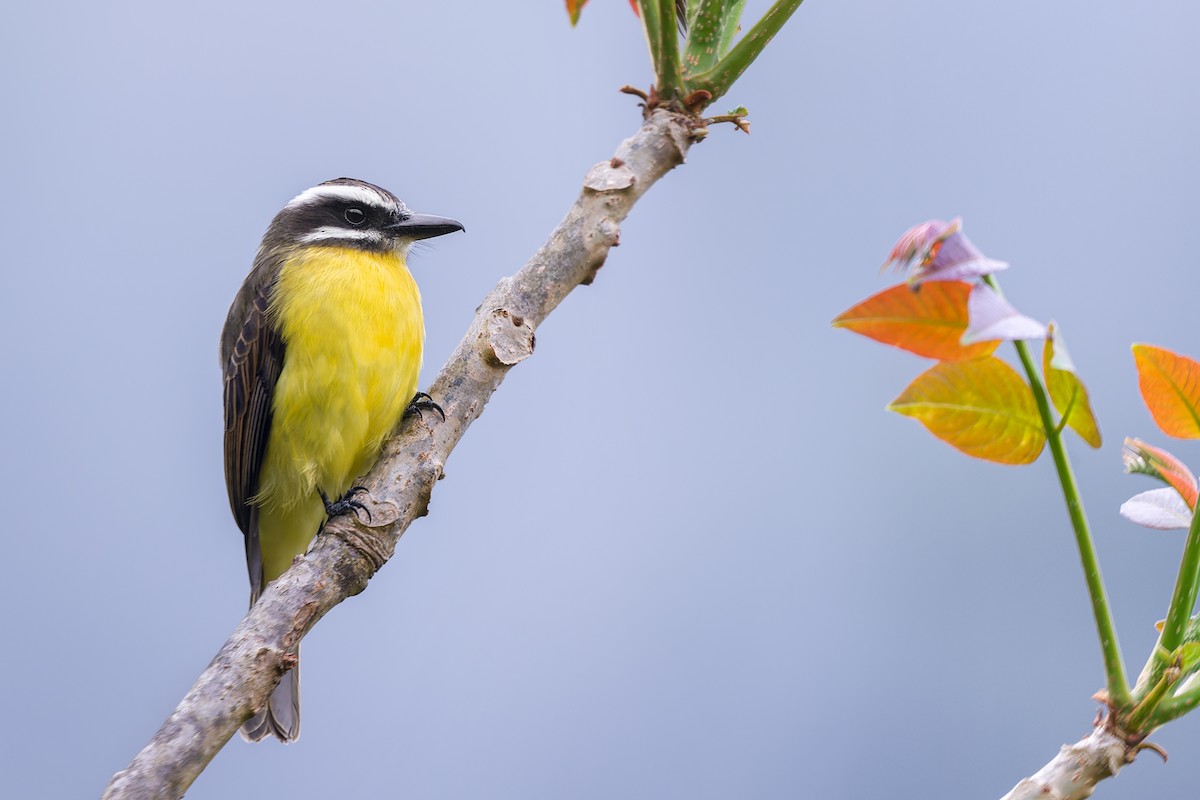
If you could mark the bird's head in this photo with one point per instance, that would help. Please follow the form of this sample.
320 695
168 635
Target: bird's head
347 212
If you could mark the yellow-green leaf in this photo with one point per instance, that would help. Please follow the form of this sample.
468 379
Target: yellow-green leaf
982 407
1067 392
1170 385
575 6
928 320
1189 656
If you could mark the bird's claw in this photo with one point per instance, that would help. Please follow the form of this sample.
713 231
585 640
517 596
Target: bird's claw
346 504
421 403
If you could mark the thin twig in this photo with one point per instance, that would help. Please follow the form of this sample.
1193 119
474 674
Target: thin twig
1106 629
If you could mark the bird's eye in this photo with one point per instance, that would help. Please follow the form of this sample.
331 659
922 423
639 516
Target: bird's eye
355 216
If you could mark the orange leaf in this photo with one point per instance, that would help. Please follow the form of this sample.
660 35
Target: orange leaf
1067 392
927 320
982 407
1170 385
573 8
1144 459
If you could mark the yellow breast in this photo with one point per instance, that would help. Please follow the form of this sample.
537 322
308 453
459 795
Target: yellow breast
353 335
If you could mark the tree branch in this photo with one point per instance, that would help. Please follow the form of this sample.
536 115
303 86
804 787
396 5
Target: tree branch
1075 771
349 552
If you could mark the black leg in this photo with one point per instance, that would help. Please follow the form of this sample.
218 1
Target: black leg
422 403
346 504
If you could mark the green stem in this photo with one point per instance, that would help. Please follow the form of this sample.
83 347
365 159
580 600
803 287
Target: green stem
1114 666
1146 706
666 62
1174 707
706 29
1182 602
658 18
648 10
718 79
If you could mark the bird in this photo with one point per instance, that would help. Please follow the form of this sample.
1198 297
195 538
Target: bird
321 352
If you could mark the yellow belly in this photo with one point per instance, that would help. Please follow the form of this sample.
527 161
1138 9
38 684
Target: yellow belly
353 332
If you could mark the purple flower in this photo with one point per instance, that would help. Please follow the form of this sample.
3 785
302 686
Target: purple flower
939 251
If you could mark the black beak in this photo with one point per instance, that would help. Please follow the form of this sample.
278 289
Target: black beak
425 226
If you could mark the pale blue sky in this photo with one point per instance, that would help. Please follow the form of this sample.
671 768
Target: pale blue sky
685 552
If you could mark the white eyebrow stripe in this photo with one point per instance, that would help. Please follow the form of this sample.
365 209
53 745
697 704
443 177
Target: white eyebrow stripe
327 232
360 194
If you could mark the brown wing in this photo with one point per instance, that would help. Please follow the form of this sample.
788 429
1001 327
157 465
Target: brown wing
252 367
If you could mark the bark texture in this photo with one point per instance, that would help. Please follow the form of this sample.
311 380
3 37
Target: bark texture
350 551
1075 771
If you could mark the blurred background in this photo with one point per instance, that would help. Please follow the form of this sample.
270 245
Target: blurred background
717 568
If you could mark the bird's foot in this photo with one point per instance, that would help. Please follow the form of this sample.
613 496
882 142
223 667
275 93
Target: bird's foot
346 504
421 403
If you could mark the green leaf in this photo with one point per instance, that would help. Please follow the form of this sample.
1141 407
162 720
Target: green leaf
1189 655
